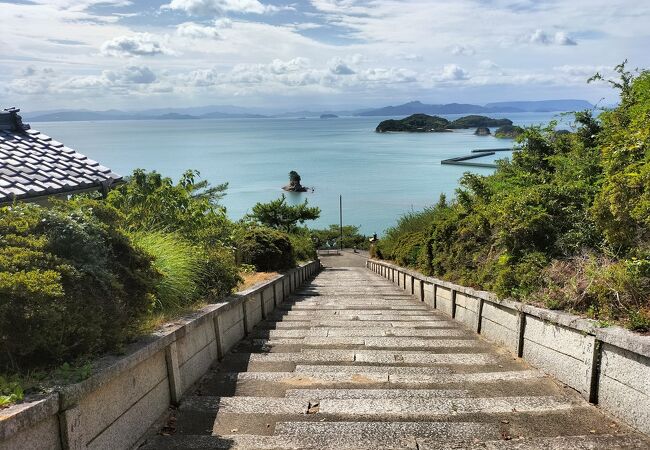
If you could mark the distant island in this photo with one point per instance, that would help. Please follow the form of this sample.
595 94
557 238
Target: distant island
237 112
424 123
417 107
508 132
77 116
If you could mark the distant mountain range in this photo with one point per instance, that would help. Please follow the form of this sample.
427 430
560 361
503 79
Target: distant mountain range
235 112
83 115
463 108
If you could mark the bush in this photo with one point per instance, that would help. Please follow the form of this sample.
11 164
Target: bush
190 207
71 284
180 265
265 248
330 237
220 274
303 246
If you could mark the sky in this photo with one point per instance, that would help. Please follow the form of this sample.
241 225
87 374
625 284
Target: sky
288 54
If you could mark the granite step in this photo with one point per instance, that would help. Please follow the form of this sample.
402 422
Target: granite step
384 408
368 441
376 356
354 362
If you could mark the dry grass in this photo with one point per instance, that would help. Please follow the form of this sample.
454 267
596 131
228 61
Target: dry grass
254 278
158 319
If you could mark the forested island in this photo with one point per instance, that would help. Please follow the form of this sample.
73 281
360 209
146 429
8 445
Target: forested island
424 123
508 132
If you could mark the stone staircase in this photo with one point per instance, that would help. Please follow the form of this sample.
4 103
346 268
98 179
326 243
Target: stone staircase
352 361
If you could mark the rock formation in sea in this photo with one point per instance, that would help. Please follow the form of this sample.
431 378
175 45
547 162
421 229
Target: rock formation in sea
482 131
294 183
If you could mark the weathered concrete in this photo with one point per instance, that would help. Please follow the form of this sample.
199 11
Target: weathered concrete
353 361
606 366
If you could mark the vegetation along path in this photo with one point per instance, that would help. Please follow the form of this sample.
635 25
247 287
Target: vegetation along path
351 361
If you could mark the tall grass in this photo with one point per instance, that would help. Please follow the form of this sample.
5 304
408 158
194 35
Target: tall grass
180 264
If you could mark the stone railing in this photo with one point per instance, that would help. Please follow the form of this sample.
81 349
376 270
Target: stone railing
608 366
115 407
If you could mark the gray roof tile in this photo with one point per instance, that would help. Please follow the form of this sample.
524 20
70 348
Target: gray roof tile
33 164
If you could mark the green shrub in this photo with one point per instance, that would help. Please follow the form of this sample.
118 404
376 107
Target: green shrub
220 274
267 249
179 263
303 246
330 237
71 284
190 207
11 391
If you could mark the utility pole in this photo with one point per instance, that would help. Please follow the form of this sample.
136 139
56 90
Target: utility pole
341 221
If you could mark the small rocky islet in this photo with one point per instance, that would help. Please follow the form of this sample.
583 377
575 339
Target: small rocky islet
424 123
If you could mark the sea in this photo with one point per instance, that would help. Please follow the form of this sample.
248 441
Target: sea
379 177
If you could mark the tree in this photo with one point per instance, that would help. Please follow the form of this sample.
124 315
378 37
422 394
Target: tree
329 237
277 214
191 207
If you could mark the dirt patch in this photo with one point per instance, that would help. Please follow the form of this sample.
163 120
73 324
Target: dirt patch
252 279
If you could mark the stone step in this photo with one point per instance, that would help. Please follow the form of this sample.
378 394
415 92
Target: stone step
383 342
361 317
386 408
358 312
366 439
362 332
430 407
377 356
317 394
382 434
437 323
397 376
588 442
391 370
326 306
310 379
354 362
398 332
245 405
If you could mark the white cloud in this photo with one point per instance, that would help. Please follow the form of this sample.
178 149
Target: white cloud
487 64
28 71
131 74
339 67
223 23
392 75
462 50
131 78
137 44
207 7
197 31
452 72
559 38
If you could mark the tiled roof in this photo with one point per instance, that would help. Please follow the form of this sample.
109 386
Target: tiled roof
34 165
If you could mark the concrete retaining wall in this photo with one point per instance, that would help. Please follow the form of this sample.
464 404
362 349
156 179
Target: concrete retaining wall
114 408
608 366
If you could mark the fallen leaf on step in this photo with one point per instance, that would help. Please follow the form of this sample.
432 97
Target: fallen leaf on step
505 421
234 430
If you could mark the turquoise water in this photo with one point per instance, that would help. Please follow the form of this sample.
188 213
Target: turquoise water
381 176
